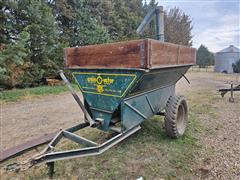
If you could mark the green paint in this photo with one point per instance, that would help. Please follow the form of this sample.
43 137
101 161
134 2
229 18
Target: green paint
105 84
105 92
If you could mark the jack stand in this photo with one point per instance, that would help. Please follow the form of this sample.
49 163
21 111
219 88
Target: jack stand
231 99
50 169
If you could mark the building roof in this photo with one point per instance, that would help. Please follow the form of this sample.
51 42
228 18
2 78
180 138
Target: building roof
230 49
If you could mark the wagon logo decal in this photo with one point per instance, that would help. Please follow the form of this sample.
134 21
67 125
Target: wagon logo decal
100 82
103 83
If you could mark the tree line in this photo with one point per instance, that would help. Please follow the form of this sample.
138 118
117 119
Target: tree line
33 33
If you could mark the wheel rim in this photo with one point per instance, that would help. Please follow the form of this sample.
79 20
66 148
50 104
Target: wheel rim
181 115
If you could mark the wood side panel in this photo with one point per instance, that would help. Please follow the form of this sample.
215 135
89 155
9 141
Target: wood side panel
166 54
145 53
114 55
163 54
187 55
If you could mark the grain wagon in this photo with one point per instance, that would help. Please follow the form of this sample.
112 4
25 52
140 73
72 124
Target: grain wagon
123 84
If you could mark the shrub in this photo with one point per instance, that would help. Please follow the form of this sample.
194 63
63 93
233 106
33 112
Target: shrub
236 66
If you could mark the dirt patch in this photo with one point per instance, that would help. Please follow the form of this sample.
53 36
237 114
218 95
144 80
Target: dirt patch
29 119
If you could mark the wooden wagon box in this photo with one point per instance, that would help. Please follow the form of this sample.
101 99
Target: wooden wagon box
143 53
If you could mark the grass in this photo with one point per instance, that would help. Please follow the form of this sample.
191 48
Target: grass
149 153
19 94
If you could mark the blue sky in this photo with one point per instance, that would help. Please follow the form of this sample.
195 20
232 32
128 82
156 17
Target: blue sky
216 22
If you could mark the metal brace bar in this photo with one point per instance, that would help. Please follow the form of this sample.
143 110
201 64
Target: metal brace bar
134 109
115 129
227 90
149 103
53 143
90 151
58 137
77 127
77 99
79 139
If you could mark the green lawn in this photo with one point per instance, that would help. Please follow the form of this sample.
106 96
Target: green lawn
19 94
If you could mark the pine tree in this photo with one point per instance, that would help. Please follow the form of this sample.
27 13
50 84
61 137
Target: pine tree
35 17
14 61
9 27
204 57
120 17
236 66
78 26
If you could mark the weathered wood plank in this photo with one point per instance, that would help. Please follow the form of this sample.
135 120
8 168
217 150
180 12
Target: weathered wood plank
122 54
187 55
166 54
142 53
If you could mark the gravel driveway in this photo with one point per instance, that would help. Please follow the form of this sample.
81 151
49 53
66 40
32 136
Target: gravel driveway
220 155
23 121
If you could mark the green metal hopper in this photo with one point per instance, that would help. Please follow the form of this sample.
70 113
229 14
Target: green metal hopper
128 96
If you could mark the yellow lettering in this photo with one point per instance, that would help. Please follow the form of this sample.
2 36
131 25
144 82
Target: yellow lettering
99 88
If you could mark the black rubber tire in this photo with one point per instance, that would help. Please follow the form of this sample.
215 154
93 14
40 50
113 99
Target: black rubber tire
176 116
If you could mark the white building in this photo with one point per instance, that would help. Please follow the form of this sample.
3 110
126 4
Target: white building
225 58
